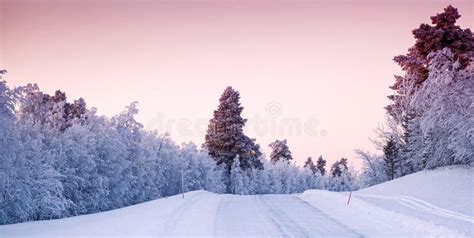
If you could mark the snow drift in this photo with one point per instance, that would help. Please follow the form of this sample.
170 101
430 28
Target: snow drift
428 203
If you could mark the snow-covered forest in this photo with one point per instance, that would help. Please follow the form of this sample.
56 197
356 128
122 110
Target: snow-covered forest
59 158
430 121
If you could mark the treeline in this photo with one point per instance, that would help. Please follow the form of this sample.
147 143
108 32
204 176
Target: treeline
247 171
430 120
60 159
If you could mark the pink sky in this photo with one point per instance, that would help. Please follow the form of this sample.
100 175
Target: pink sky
313 60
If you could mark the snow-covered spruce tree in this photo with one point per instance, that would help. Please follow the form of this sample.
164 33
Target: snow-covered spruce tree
225 139
406 165
308 164
391 158
280 151
411 150
260 180
320 165
237 179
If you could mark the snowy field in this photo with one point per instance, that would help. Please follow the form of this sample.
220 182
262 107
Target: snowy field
429 203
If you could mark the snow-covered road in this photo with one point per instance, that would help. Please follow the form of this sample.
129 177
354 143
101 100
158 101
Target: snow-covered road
200 213
259 215
275 215
312 214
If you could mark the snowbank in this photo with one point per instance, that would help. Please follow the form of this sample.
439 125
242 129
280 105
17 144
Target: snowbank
450 187
151 219
428 203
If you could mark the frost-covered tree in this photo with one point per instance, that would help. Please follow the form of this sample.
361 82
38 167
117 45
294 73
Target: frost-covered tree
260 180
49 112
130 133
431 113
414 152
373 171
445 106
14 195
444 33
225 139
405 163
321 165
391 158
309 180
43 181
338 167
75 161
201 172
34 190
343 178
59 160
437 129
285 177
237 181
280 177
280 151
308 164
423 82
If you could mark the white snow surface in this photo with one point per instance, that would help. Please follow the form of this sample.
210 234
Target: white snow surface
435 203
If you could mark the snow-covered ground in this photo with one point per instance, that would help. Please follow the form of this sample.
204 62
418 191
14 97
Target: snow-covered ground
429 203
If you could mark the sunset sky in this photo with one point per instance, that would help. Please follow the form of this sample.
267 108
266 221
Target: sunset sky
324 66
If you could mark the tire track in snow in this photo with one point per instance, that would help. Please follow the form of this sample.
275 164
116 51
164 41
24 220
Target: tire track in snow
356 234
176 215
286 225
419 204
243 216
297 218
